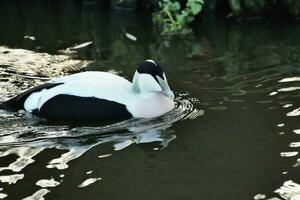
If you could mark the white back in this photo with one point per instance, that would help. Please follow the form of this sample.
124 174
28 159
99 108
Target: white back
101 85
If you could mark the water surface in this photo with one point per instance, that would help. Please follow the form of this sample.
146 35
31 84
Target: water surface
234 133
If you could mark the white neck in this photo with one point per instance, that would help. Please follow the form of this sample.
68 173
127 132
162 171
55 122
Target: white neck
143 83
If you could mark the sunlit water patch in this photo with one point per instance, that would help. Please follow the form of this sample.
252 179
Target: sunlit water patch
289 190
26 136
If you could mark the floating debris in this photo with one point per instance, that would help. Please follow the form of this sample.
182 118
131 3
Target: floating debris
131 37
72 50
85 44
104 156
30 37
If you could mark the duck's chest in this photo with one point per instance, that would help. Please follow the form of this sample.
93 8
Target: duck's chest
150 105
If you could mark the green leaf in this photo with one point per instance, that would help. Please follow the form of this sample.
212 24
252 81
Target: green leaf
174 6
196 8
184 13
189 19
199 1
179 18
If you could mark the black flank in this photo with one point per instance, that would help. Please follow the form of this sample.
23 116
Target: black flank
84 109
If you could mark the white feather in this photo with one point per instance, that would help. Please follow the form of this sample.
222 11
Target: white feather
145 83
146 103
152 61
102 86
105 76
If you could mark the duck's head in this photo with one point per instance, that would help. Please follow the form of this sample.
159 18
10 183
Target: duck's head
150 77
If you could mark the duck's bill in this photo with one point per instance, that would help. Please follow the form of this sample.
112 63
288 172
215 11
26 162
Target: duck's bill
165 87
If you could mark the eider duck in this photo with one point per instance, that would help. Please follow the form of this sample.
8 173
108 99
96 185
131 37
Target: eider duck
93 96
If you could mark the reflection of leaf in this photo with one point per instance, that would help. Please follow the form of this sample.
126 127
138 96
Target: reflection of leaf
254 5
294 6
235 6
196 50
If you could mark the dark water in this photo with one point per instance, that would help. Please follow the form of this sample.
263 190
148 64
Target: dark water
234 133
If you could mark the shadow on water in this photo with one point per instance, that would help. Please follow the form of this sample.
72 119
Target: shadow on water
245 75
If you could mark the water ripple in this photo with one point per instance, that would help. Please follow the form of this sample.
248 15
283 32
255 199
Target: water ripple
26 136
291 79
88 182
294 113
289 190
18 130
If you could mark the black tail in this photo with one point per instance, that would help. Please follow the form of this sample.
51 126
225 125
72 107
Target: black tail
12 105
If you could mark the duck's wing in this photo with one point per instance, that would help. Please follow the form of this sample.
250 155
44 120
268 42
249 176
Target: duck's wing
17 103
30 99
101 76
83 100
115 91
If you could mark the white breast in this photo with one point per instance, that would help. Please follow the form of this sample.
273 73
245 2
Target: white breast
148 105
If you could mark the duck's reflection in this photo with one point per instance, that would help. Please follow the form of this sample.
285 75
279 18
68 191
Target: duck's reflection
28 146
22 139
75 147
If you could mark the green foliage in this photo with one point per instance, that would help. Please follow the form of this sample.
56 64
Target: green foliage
253 7
244 7
235 6
294 6
174 19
